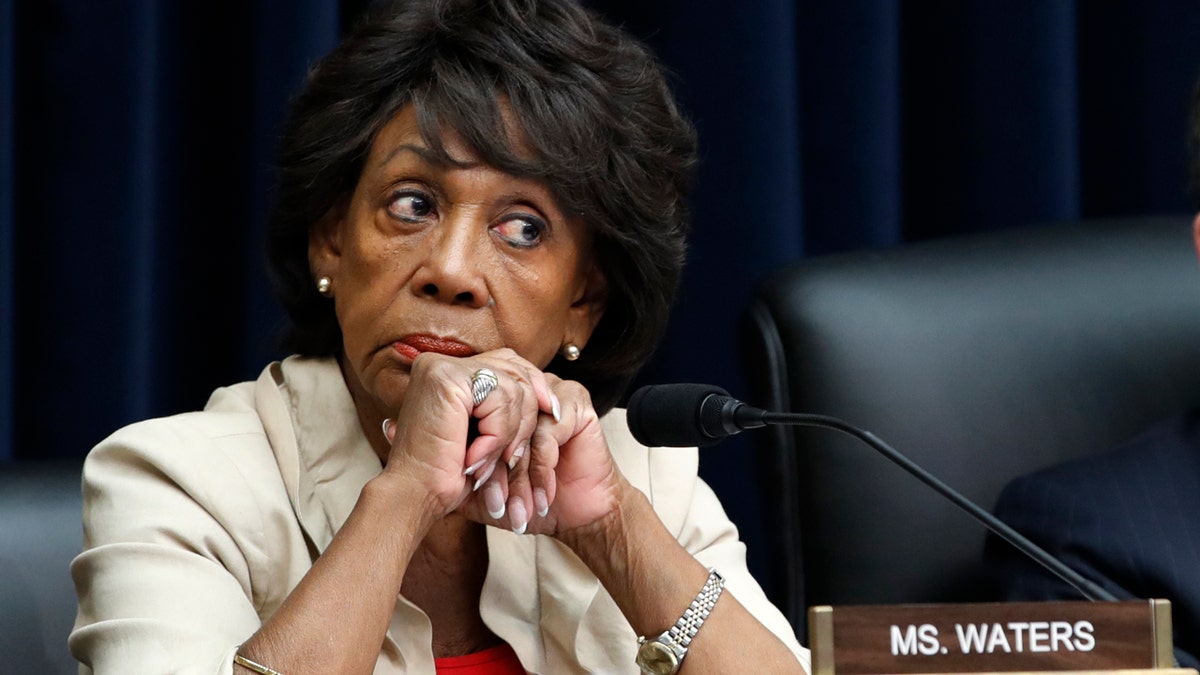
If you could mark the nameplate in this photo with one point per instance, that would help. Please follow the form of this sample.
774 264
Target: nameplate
991 637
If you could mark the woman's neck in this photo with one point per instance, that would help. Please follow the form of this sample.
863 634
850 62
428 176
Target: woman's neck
370 416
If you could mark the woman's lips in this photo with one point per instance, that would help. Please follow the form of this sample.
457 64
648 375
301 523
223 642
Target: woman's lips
413 345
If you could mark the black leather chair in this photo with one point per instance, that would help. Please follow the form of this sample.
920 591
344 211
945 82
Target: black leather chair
981 358
40 532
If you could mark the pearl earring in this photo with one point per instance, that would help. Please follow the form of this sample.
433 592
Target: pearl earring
325 286
570 351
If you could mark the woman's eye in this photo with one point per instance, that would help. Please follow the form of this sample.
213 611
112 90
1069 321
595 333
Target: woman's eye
410 206
523 231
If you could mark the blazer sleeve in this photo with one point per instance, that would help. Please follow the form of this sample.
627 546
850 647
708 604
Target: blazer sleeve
713 539
692 512
163 580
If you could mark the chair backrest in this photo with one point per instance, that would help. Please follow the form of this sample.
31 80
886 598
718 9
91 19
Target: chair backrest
40 533
981 358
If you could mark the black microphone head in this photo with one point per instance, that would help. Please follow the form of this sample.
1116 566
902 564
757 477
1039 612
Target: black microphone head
669 415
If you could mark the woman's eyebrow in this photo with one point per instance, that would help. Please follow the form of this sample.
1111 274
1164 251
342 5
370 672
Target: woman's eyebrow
428 155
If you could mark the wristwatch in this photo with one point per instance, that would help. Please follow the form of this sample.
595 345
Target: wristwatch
664 654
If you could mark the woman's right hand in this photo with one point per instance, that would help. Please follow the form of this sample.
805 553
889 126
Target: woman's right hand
429 438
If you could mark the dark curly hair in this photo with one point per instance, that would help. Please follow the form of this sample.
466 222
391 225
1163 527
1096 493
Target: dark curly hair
596 118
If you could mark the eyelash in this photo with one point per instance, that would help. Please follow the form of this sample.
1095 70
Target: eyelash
401 194
525 218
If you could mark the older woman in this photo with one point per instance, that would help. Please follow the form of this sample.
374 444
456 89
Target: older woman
479 229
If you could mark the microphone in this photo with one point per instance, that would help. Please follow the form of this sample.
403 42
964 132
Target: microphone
687 415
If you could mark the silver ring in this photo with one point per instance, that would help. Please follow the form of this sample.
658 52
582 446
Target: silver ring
483 382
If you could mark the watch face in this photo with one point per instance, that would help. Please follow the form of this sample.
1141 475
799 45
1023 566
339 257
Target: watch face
656 658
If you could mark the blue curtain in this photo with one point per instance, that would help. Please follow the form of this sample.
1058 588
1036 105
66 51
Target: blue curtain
7 225
136 149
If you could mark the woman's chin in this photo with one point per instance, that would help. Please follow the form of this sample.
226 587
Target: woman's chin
389 390
379 385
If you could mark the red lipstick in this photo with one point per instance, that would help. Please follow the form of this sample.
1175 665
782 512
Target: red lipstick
413 345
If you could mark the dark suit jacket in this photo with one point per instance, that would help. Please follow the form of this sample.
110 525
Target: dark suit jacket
1128 520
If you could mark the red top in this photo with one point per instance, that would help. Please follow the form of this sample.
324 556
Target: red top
498 660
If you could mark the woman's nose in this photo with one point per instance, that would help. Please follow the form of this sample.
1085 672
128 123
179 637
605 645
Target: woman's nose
450 271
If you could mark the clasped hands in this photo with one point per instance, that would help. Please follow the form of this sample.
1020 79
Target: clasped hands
539 464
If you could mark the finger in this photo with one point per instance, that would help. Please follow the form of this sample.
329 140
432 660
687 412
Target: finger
507 412
542 462
510 411
518 515
549 402
527 378
520 495
552 436
494 490
483 451
516 455
437 415
541 382
497 421
577 411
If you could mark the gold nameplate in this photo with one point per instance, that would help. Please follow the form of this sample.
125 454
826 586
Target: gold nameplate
991 637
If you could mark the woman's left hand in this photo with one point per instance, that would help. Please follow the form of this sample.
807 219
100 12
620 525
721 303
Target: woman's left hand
565 480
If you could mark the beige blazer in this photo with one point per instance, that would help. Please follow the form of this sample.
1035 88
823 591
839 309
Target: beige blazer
197 526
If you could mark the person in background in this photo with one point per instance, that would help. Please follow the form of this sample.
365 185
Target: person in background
1128 519
478 233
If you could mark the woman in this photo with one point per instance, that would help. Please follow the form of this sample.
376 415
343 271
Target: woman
478 232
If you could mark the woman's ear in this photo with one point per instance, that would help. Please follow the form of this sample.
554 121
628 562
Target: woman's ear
588 307
324 241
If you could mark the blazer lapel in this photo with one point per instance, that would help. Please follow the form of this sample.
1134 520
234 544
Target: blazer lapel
322 453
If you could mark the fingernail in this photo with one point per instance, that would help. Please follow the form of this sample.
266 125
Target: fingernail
487 473
517 517
493 500
555 408
540 502
475 467
389 430
517 454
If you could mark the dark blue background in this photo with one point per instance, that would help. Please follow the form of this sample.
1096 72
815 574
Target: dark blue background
136 147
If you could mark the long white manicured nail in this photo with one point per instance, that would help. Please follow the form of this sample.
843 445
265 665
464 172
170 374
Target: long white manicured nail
475 467
540 502
517 454
517 516
487 473
493 500
555 408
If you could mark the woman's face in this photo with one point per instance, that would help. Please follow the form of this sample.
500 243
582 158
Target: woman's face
428 256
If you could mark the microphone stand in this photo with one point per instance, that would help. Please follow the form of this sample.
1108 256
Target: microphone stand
748 417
